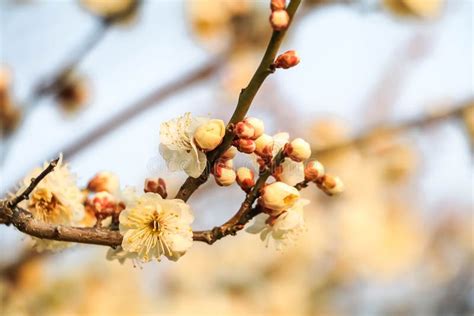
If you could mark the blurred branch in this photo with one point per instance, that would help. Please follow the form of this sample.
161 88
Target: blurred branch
391 129
245 100
158 95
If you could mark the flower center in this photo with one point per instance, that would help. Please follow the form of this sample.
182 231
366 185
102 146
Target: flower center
45 206
155 224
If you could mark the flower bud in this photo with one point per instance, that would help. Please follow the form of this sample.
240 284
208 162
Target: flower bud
287 60
244 130
313 170
298 150
245 178
246 145
229 153
257 125
209 135
103 201
229 163
104 181
156 186
278 197
74 93
330 184
279 20
264 146
224 176
276 5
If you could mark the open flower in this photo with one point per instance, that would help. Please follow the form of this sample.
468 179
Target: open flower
284 228
152 227
55 200
178 146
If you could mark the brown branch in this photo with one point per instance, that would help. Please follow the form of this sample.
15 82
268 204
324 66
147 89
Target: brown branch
391 129
245 213
245 100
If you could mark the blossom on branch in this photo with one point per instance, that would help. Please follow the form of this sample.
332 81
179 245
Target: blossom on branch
178 145
55 200
152 227
283 228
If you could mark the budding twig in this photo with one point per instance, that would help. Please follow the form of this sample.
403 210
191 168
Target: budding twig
245 100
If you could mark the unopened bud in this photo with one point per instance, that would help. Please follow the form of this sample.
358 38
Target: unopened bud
209 135
257 125
276 5
224 176
104 181
229 163
278 197
313 170
73 94
330 184
287 60
279 20
298 150
245 145
245 178
244 130
229 153
264 146
101 205
156 186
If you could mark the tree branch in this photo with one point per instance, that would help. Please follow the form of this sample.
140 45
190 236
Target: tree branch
245 100
390 129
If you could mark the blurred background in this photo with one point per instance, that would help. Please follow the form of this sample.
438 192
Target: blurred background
383 93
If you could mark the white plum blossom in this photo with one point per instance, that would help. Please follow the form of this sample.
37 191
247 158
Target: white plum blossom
292 171
178 147
283 229
55 200
152 226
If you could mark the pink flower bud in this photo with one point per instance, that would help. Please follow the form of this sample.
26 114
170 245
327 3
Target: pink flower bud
264 145
246 145
104 181
156 186
224 176
245 178
313 170
257 125
229 153
298 150
244 130
279 20
287 60
102 204
278 197
276 5
330 184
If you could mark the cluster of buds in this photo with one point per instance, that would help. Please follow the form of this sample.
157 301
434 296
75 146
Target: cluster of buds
9 113
279 18
156 186
246 134
103 205
329 184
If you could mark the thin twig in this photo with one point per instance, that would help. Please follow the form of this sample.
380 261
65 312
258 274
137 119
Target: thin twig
245 100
